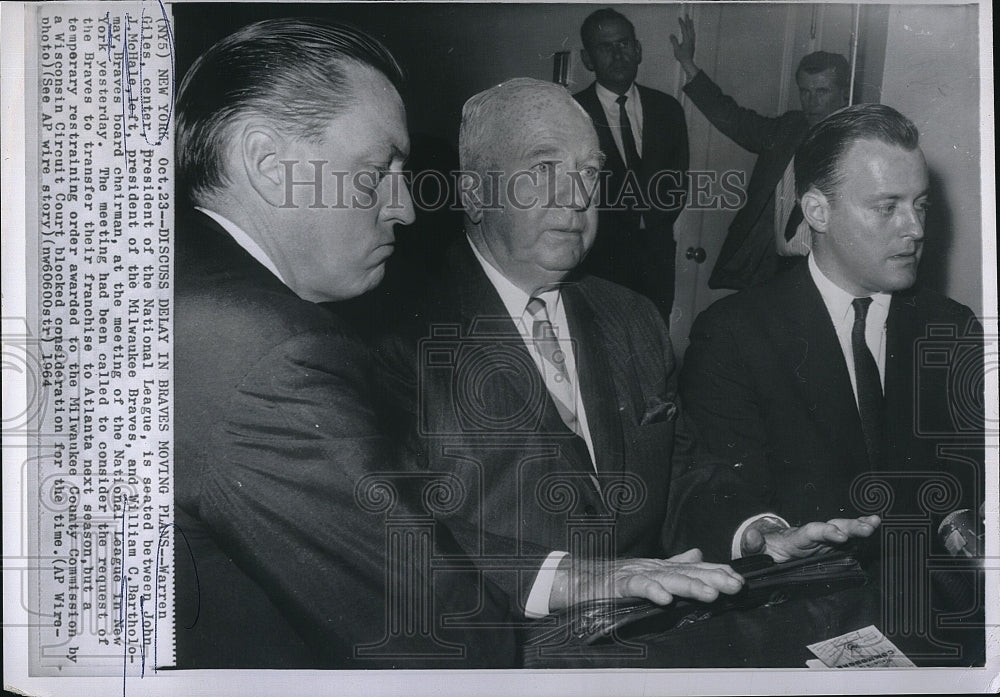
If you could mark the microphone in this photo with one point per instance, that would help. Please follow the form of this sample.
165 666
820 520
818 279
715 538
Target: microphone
958 533
961 589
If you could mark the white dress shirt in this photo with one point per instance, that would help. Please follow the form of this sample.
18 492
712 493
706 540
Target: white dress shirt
838 305
633 107
243 240
784 204
515 301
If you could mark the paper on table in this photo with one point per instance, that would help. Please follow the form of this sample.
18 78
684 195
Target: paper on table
863 648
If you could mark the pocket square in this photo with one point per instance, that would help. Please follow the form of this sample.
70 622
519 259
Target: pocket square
657 410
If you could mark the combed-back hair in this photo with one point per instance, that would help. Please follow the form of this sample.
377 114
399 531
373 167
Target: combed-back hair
294 72
818 159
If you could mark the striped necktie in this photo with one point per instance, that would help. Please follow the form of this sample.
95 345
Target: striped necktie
555 374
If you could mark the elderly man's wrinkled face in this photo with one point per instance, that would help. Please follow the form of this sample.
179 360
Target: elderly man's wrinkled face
336 246
546 218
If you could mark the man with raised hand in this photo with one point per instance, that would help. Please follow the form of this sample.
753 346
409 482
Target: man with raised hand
768 233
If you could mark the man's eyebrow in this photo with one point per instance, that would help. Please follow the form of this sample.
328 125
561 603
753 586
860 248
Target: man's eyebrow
889 196
541 151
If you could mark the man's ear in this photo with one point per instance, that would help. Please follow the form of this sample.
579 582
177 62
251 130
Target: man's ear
816 209
470 187
588 62
261 150
638 51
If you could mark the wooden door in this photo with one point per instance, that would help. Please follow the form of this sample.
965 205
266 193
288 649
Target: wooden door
751 52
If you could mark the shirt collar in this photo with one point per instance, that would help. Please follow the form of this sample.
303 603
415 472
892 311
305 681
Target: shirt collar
243 240
837 300
514 299
608 98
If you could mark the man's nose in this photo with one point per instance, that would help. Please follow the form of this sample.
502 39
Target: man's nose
399 207
572 191
913 224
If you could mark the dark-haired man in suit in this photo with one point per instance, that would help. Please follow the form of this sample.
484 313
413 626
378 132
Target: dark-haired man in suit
644 139
284 482
838 388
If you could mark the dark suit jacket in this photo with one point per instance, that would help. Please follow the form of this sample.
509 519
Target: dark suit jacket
466 391
642 260
748 256
766 384
278 565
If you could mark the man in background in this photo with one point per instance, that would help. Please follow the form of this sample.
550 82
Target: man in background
283 478
768 234
644 139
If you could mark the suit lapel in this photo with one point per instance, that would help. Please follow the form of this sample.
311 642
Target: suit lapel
903 327
202 242
484 314
613 158
652 137
814 350
597 390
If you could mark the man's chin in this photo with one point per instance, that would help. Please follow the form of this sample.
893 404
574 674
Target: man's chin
558 269
900 280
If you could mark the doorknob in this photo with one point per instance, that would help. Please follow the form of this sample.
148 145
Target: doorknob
696 253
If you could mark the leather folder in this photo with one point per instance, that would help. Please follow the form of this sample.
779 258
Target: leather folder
766 583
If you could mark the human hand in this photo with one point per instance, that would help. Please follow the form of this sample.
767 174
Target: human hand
659 580
684 49
807 540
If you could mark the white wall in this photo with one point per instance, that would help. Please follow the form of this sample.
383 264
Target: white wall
931 75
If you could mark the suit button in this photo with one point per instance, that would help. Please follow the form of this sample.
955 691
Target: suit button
589 509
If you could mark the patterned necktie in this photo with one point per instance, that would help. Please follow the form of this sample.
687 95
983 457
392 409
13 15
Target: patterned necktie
632 159
556 376
871 402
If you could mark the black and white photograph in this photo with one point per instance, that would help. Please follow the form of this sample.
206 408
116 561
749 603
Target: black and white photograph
532 348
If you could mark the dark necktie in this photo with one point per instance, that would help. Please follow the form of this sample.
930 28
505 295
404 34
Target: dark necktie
792 225
632 159
871 403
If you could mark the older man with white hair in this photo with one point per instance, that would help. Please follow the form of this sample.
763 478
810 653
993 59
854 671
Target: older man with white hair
547 395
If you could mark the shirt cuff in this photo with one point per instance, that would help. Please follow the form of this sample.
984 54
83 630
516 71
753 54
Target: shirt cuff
737 550
538 599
